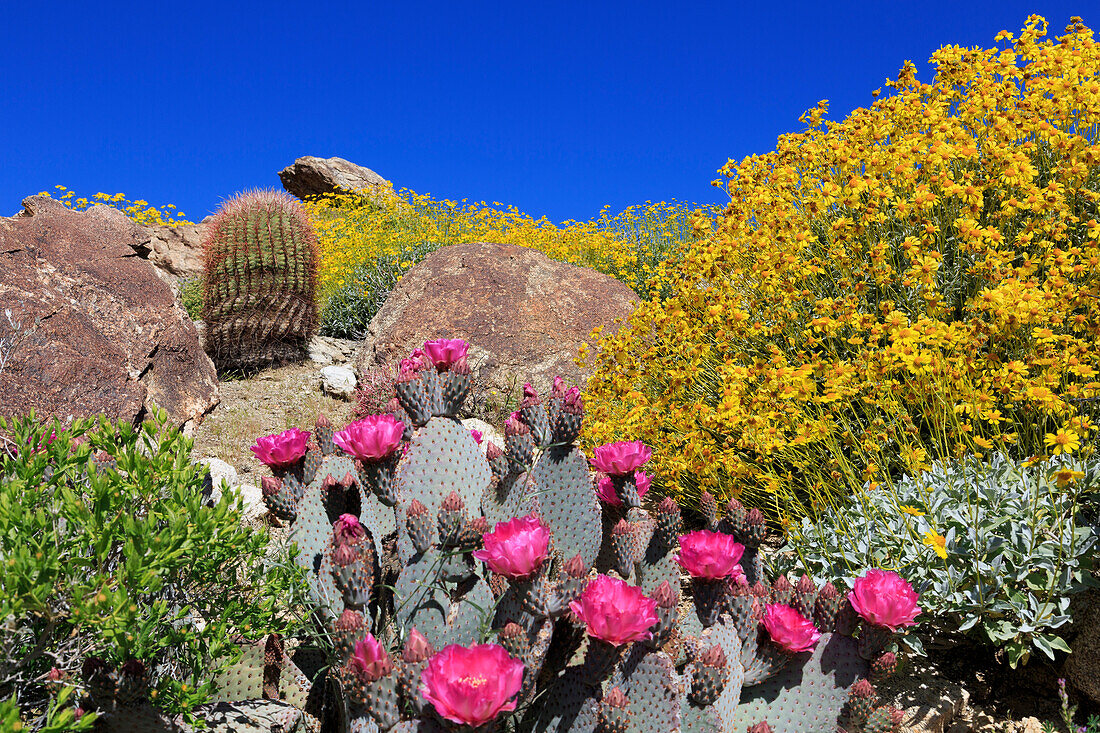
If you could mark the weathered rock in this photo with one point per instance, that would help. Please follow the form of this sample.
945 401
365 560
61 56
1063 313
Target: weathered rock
254 507
931 704
311 176
489 434
328 350
177 251
111 338
221 475
338 381
1082 667
523 314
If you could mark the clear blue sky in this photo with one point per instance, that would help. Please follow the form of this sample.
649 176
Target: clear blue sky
558 108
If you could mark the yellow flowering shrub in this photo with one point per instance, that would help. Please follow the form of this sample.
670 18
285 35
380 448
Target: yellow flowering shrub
920 280
400 228
140 210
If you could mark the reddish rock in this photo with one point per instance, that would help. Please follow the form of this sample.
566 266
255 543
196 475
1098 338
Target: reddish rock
524 314
111 338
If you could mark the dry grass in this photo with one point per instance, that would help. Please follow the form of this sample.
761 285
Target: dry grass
268 402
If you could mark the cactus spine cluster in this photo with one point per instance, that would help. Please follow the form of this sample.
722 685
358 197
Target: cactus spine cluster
399 529
260 281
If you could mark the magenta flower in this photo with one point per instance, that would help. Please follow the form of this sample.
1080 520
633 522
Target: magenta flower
517 548
790 629
283 449
370 661
472 685
371 439
615 612
347 528
884 598
477 435
710 555
444 352
619 459
605 489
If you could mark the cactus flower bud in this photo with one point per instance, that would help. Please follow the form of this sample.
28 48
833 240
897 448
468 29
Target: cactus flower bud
760 590
862 689
558 388
805 584
347 529
616 698
349 621
664 596
572 402
416 509
493 451
344 555
369 661
453 503
417 648
393 405
574 567
54 675
761 727
530 396
514 426
269 485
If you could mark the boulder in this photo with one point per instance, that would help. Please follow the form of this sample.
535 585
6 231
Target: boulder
110 337
177 251
523 314
338 381
310 176
329 350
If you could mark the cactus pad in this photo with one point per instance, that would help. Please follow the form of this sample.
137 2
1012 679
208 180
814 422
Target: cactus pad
561 488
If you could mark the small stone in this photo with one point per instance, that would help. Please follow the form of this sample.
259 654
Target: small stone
254 507
338 381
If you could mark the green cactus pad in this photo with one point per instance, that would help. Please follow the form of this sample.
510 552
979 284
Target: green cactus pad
651 685
570 706
562 491
313 533
425 604
699 720
724 633
804 696
505 499
443 457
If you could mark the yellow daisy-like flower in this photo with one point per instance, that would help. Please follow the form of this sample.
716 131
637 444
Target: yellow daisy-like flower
1066 476
911 510
1064 441
937 542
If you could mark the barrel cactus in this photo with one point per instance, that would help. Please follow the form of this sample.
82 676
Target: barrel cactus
260 283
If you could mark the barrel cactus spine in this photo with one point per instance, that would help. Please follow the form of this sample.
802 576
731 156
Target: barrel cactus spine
260 281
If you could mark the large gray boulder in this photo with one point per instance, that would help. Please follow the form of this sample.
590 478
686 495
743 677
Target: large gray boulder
524 314
311 176
110 337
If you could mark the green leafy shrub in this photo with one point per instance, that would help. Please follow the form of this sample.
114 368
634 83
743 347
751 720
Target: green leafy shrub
122 557
995 549
191 297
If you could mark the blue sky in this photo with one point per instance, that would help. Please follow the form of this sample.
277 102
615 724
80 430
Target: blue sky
557 108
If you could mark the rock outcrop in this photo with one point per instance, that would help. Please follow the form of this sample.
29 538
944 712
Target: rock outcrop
524 314
110 337
311 176
176 251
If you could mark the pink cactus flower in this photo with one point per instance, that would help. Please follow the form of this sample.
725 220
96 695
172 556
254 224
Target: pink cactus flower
614 611
790 629
710 555
605 489
477 435
283 449
883 598
619 459
369 661
371 439
444 352
472 685
348 529
517 548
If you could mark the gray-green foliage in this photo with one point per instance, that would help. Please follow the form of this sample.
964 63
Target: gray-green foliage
122 558
1017 547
